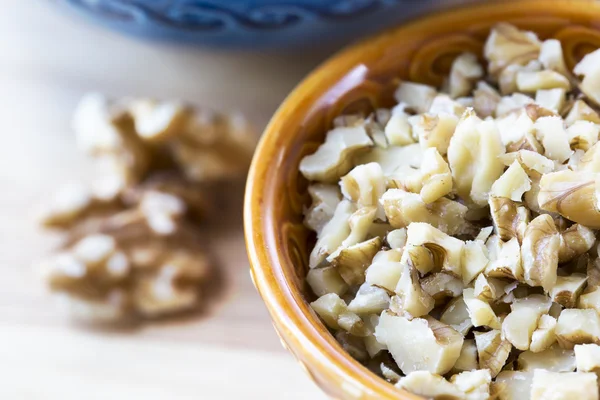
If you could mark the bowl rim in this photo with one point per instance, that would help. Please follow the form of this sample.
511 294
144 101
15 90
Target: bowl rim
288 310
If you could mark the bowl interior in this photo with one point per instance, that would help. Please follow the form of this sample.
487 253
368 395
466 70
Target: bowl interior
363 78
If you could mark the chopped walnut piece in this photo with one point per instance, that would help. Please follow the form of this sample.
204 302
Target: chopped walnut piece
333 158
329 307
364 185
432 181
393 158
528 142
581 111
553 136
370 300
325 199
396 239
510 218
440 286
415 95
551 99
563 385
519 325
511 385
512 184
590 300
513 103
493 351
353 324
588 68
389 373
353 345
485 100
446 250
374 348
333 233
532 162
375 126
398 131
435 175
531 81
505 259
553 359
590 161
577 327
348 120
507 45
551 56
567 289
484 234
444 104
432 386
572 194
412 299
419 344
488 289
544 335
474 260
352 261
587 357
464 71
474 384
539 252
419 257
507 80
473 157
514 127
575 241
583 134
326 280
536 111
403 208
385 269
480 311
360 223
456 315
467 361
434 130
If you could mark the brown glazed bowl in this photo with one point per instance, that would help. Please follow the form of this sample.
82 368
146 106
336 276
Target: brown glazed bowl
363 77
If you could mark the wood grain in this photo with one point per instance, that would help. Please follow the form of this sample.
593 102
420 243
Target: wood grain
47 61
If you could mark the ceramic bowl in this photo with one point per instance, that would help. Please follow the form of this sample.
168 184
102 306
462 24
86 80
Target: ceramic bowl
251 23
363 77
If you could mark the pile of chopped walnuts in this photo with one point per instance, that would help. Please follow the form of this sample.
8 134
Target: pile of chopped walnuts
456 251
133 246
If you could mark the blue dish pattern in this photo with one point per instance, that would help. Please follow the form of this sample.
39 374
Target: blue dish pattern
250 22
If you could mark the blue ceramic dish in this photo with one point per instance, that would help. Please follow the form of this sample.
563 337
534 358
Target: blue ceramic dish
251 23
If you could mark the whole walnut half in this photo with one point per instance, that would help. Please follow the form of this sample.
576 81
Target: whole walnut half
134 234
124 270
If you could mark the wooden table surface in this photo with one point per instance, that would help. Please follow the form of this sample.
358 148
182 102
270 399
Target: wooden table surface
47 61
